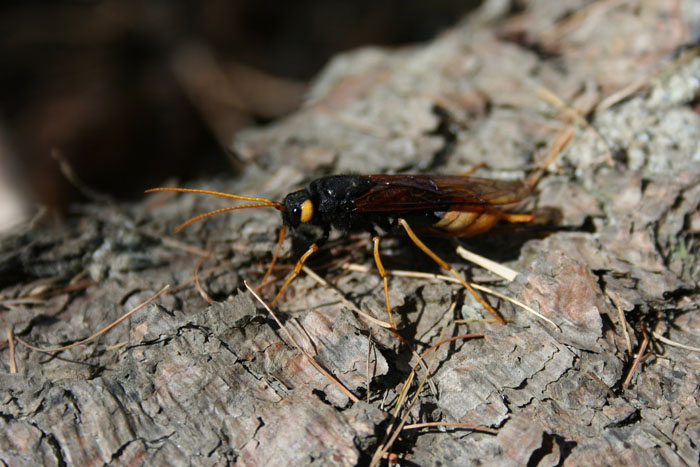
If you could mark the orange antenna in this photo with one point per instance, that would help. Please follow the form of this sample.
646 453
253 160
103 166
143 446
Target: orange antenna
217 193
219 211
260 202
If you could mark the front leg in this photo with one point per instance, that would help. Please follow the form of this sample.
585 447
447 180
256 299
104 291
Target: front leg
297 269
313 248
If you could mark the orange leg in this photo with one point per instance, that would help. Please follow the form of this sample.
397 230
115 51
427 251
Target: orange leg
516 218
478 166
297 269
275 256
383 274
448 268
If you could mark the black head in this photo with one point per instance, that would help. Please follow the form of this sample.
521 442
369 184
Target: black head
298 208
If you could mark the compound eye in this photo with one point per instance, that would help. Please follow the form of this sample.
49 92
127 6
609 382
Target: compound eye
307 211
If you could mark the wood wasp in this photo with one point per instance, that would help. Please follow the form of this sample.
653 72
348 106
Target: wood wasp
446 205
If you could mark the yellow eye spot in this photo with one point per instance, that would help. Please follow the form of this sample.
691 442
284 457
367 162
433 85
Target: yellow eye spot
307 211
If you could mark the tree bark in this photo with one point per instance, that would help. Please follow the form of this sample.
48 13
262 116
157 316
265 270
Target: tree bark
208 384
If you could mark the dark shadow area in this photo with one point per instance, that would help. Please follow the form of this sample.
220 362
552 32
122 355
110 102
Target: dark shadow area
130 93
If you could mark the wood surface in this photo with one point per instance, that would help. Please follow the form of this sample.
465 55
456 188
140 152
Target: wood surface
185 382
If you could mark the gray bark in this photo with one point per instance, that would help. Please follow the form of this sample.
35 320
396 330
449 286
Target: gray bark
216 384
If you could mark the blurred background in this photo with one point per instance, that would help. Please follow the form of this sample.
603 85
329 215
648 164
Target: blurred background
120 95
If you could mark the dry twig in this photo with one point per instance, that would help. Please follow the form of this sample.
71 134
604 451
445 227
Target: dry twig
98 333
311 360
637 359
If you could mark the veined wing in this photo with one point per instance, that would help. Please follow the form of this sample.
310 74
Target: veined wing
425 192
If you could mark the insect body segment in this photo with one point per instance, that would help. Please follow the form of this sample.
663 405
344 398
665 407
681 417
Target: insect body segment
446 205
329 202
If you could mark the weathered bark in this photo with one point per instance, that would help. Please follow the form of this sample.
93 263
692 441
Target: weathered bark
214 384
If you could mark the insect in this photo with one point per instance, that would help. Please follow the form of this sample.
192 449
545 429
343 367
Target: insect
447 205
